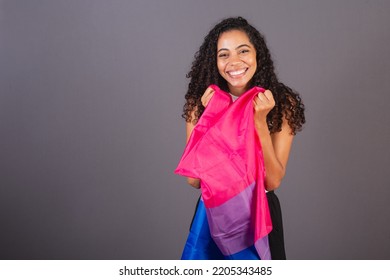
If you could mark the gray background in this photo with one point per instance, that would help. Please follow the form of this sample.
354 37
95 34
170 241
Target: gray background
91 97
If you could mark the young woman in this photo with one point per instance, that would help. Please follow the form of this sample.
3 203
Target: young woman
234 56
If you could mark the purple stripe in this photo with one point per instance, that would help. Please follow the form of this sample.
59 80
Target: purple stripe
231 224
262 248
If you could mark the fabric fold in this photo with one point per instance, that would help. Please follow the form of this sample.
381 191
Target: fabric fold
225 153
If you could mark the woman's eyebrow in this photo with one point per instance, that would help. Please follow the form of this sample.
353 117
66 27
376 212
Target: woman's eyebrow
243 45
223 49
240 46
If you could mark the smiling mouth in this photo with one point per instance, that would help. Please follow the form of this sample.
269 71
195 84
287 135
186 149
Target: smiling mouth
237 73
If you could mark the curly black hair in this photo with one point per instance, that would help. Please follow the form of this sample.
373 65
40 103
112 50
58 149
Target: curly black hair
204 72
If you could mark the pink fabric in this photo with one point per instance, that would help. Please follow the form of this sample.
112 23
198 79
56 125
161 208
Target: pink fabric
225 153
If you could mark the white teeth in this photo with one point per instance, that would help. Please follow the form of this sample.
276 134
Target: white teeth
238 72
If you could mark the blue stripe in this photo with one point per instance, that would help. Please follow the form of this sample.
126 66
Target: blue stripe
201 246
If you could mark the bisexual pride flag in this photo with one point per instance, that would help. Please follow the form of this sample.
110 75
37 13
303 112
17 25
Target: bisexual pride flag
232 219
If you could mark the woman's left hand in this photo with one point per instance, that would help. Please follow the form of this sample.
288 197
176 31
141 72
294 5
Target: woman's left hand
263 104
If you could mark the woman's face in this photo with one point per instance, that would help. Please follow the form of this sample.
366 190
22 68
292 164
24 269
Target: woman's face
236 60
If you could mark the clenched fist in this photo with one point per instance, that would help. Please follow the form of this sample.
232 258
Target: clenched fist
263 103
205 99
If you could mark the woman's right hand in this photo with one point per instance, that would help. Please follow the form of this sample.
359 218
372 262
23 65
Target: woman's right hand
193 182
205 99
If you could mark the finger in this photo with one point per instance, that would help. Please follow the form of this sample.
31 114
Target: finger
268 95
205 102
260 97
210 94
207 96
257 103
209 91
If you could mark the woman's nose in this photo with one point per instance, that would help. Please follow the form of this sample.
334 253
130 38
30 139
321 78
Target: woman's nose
235 63
234 60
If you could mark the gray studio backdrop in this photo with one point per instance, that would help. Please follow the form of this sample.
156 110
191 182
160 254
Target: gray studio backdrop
91 97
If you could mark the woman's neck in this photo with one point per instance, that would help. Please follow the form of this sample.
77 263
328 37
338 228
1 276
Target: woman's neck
237 91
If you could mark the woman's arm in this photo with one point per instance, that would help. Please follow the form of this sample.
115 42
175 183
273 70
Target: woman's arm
276 147
276 150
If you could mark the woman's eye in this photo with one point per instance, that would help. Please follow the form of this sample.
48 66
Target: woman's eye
244 51
223 55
